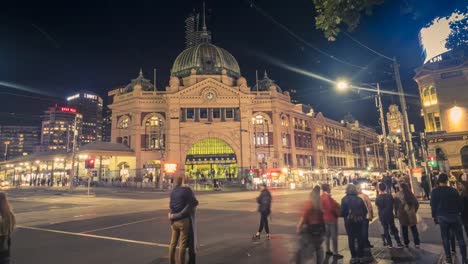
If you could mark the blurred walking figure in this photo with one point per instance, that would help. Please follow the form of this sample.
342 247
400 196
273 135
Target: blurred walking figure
264 208
385 203
311 228
7 225
369 217
446 206
387 179
181 197
407 207
331 212
425 186
354 212
463 189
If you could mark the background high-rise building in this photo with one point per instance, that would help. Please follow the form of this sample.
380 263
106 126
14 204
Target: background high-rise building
57 128
17 141
106 124
89 105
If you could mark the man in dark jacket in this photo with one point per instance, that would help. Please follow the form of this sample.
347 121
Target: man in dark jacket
264 208
386 205
181 197
446 210
354 211
387 179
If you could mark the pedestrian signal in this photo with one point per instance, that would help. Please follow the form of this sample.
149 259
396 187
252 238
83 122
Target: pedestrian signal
89 164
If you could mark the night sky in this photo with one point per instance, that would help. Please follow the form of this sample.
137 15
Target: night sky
59 47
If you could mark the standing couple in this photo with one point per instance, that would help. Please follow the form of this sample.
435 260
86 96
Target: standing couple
183 223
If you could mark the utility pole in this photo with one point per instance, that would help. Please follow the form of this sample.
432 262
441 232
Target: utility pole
384 130
406 126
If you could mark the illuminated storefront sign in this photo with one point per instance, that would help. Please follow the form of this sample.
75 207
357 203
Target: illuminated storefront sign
68 109
170 167
90 96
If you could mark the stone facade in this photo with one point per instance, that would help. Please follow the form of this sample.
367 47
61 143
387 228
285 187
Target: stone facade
443 86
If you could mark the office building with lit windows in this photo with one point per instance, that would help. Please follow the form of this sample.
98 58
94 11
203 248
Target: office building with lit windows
443 88
17 141
90 106
58 128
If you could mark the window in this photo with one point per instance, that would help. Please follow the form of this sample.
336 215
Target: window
284 140
433 123
429 96
216 113
261 139
123 123
229 113
154 133
284 121
190 113
203 113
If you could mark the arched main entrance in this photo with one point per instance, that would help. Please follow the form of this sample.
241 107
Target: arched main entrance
211 158
464 157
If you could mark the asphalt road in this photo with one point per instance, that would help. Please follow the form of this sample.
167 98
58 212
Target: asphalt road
126 227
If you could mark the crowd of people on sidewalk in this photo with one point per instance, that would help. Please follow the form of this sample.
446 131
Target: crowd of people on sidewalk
318 223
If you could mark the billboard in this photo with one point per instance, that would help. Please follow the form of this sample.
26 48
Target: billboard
433 38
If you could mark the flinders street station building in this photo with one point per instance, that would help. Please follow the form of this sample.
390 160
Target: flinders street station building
211 122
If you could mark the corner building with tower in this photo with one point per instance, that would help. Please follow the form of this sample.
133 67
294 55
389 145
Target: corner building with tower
212 123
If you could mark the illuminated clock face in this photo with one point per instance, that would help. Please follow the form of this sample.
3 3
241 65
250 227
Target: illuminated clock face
209 96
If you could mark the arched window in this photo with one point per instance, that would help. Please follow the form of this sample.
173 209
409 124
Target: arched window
284 121
464 157
123 122
260 119
433 95
154 132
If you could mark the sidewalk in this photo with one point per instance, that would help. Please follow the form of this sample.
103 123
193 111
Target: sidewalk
281 250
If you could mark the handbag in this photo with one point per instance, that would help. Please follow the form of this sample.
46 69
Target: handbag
5 243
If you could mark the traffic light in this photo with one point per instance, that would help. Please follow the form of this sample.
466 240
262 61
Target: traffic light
251 173
89 164
432 162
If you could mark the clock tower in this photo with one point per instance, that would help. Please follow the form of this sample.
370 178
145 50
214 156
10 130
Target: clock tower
394 121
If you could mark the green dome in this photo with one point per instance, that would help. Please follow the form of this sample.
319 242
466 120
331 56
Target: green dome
205 58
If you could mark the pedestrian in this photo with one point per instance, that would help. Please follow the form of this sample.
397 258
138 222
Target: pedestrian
387 179
446 207
354 211
189 211
463 177
463 189
7 225
311 228
425 186
407 207
369 216
264 208
180 198
385 205
331 212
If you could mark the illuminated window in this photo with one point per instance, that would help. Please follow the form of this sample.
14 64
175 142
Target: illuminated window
284 121
261 139
154 133
124 121
433 123
429 96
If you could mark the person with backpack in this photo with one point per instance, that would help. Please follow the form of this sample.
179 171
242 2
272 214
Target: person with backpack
407 207
446 207
311 228
7 225
385 204
354 212
264 208
331 212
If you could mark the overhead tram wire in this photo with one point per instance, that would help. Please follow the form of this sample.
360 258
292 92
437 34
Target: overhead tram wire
303 41
366 47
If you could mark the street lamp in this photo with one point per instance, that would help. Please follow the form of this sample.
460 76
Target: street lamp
343 85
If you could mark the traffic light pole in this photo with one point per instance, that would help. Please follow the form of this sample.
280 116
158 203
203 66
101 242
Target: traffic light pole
72 171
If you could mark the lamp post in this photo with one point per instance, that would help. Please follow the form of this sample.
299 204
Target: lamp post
6 149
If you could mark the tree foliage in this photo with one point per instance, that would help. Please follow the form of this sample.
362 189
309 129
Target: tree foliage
331 14
458 37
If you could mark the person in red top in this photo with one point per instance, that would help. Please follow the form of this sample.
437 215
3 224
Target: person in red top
331 212
311 229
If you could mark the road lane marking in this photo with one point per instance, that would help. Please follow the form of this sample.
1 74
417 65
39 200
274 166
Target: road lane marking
95 236
115 226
